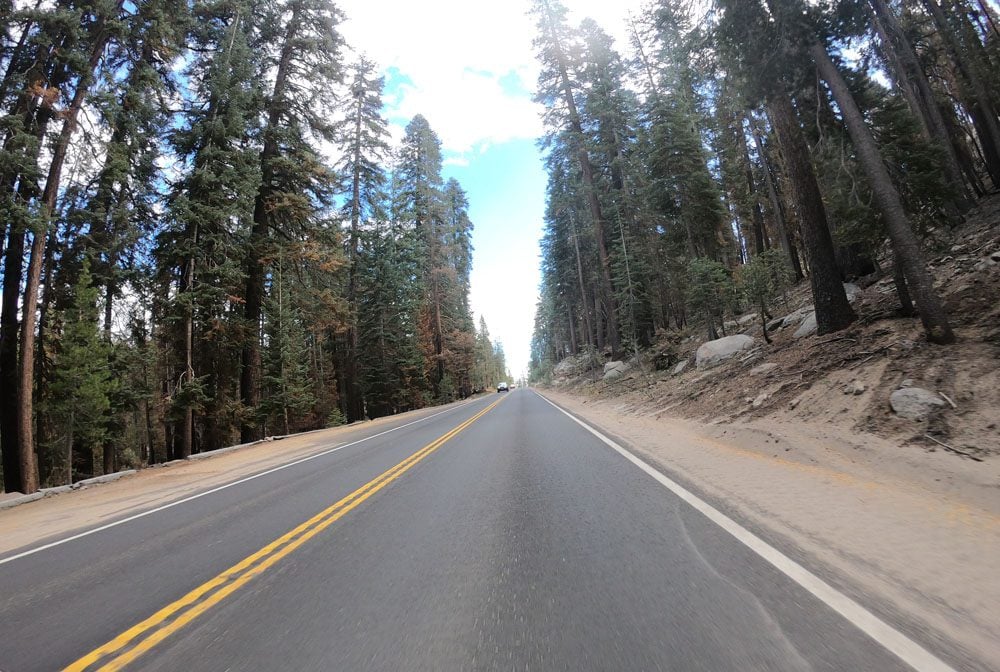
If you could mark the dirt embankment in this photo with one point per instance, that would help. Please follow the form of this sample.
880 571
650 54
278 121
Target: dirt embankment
844 381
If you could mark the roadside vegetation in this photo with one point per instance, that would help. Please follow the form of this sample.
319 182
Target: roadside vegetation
735 149
207 237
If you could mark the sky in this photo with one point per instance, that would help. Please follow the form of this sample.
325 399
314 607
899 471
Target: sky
468 66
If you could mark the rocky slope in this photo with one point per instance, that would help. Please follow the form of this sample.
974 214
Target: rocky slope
879 376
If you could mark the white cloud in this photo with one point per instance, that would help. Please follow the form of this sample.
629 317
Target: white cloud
469 67
468 109
456 54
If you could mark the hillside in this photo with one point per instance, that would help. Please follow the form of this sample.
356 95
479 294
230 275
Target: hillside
841 381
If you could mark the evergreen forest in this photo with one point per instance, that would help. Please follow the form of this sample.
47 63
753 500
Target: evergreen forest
735 148
208 237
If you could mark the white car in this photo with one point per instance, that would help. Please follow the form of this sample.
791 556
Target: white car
502 387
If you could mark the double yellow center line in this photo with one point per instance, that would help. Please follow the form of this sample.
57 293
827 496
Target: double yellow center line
137 640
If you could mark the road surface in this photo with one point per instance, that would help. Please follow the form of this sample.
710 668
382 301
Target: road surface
498 535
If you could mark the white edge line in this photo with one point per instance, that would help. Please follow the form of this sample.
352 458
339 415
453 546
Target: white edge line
909 651
150 512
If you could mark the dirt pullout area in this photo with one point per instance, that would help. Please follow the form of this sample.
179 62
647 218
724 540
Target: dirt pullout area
146 489
919 532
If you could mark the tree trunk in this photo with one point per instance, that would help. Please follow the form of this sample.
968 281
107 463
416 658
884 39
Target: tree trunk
759 236
833 311
13 269
917 90
108 455
981 106
438 342
36 118
354 403
787 245
905 303
187 286
587 172
988 13
251 430
598 323
572 330
25 411
69 447
583 286
904 242
763 322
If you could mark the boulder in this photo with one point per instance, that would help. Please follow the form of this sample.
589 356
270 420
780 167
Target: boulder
715 352
747 319
775 324
855 387
681 365
760 400
852 291
988 262
914 403
612 366
797 316
566 367
807 328
763 369
613 370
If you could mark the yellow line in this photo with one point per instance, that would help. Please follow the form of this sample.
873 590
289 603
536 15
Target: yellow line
244 571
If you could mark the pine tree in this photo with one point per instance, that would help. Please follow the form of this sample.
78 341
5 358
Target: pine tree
750 43
678 161
422 207
289 395
710 292
364 146
82 384
761 281
904 241
209 206
389 271
557 91
915 87
294 180
84 47
781 223
456 268
980 101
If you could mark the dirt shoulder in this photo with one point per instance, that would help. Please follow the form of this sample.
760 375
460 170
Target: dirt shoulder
95 505
917 531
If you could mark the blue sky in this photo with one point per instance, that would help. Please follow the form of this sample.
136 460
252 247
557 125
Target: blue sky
506 187
469 68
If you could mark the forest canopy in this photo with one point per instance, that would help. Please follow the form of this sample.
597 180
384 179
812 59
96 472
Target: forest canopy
735 147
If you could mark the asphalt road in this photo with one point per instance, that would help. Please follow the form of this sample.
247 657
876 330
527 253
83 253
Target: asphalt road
523 542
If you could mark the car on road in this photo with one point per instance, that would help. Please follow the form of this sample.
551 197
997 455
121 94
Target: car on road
502 387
